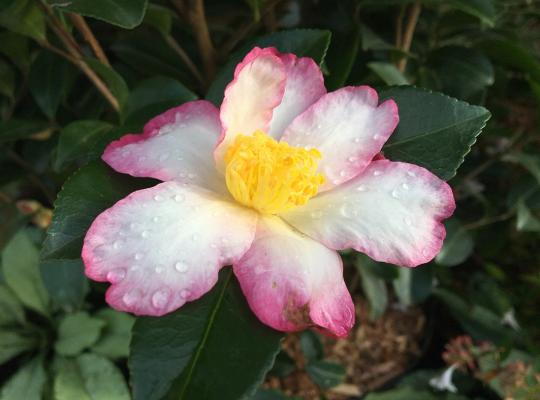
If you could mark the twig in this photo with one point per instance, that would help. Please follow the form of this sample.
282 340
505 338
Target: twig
489 220
399 26
175 46
76 56
194 12
409 33
88 35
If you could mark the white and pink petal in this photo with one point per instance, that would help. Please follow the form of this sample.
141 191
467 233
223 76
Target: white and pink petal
292 282
257 88
176 145
163 246
348 127
392 211
304 86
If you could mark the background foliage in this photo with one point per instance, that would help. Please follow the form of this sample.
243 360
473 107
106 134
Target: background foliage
76 75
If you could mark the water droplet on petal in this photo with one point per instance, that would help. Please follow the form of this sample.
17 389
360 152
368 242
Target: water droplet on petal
160 298
181 266
376 137
179 198
351 159
145 234
158 269
395 194
194 237
130 298
155 219
138 256
116 275
157 197
357 140
361 188
405 186
410 173
185 294
425 252
377 173
342 173
408 221
117 244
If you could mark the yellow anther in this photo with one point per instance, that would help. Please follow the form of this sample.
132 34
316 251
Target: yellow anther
271 176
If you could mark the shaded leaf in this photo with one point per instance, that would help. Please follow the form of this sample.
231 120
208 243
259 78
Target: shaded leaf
458 244
112 79
311 345
24 17
13 343
388 73
413 285
27 383
116 335
11 310
65 282
326 374
77 332
15 129
373 285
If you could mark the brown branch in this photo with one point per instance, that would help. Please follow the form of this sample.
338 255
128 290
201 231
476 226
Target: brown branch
89 37
195 14
409 33
399 26
76 56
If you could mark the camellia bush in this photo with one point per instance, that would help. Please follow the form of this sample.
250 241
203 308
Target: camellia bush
269 199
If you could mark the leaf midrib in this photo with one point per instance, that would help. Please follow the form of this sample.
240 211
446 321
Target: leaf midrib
206 333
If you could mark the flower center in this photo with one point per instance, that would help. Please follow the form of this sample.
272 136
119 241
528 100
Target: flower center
271 176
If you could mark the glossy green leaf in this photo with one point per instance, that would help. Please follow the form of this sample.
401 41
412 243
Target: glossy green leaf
159 18
154 96
11 310
13 343
49 81
78 139
435 131
373 285
388 73
213 348
116 335
302 42
27 383
15 129
526 220
342 54
93 188
20 261
413 285
7 79
87 377
124 13
311 345
112 79
458 244
512 54
484 10
326 374
65 282
24 17
77 332
283 366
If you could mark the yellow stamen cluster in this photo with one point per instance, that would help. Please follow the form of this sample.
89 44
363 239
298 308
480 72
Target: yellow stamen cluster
271 176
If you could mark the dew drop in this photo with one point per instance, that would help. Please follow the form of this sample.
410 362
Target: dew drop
408 221
405 186
395 194
316 214
160 298
179 198
194 237
377 173
117 244
155 219
184 293
180 158
425 252
361 188
133 226
181 266
158 269
357 140
410 173
130 298
157 197
145 234
138 256
342 173
376 137
116 275
351 159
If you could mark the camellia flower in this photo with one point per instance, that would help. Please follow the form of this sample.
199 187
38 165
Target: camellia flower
272 183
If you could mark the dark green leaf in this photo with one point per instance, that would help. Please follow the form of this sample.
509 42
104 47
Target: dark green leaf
373 285
302 42
458 244
113 80
159 18
341 57
15 47
65 282
326 374
15 129
154 96
77 332
12 343
20 261
512 54
388 73
413 285
24 17
11 310
124 13
89 377
93 188
77 140
311 345
434 131
116 335
284 365
213 348
7 79
27 383
49 81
